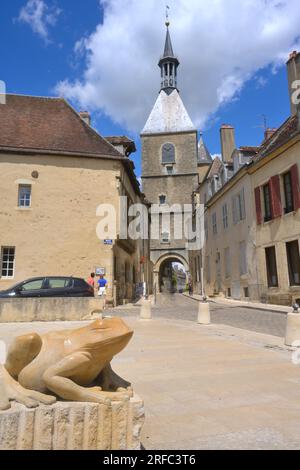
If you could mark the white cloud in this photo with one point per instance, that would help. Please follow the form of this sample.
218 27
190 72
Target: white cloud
39 16
221 44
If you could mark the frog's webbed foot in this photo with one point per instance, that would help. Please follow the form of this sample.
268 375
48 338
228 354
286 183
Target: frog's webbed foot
11 390
112 382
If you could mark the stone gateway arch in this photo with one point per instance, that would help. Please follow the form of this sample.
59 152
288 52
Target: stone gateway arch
171 162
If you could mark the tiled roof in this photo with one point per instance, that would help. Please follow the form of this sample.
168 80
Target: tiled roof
48 124
253 150
122 140
215 167
279 138
204 157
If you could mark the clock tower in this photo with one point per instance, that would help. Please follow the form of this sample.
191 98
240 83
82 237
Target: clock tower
169 164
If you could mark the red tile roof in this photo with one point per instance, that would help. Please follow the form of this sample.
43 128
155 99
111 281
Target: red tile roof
48 124
288 129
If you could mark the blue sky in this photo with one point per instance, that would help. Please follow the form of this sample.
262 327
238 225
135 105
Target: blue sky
35 64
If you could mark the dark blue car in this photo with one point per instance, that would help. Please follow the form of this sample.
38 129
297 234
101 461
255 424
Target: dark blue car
49 287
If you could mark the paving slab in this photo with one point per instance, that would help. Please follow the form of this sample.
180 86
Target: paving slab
215 387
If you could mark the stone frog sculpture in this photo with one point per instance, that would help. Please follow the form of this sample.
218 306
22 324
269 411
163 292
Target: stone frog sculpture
71 365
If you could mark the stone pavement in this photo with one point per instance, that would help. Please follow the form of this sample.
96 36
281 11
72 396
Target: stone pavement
214 387
250 305
179 307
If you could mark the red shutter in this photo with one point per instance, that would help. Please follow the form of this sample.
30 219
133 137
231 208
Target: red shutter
275 197
295 185
258 206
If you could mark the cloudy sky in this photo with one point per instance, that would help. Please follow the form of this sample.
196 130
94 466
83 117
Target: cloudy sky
102 55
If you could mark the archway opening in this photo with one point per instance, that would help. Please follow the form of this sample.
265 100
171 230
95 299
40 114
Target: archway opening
173 277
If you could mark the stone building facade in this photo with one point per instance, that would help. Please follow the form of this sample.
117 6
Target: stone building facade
252 216
169 165
55 171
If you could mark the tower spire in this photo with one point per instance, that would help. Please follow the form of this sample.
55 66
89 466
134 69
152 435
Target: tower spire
168 62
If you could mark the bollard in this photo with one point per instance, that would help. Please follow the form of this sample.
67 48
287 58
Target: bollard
292 327
146 310
204 313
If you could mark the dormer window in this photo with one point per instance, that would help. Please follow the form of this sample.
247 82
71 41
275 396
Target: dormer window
168 154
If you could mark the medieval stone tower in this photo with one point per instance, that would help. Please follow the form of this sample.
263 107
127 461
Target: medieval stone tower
169 163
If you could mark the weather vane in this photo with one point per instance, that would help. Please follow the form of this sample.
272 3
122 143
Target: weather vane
167 15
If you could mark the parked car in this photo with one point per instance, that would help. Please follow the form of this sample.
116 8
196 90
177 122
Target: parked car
50 287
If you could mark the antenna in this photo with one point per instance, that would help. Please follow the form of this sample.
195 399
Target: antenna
264 125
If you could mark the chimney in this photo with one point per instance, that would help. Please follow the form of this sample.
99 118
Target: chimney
268 133
293 68
86 117
227 142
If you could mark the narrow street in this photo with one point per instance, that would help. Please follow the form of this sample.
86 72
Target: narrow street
179 307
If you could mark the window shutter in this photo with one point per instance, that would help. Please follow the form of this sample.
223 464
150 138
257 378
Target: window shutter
243 209
258 206
275 197
295 185
234 210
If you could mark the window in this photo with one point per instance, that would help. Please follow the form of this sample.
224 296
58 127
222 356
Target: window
8 262
288 192
162 199
225 216
293 258
165 237
229 292
33 285
267 202
59 283
168 154
214 223
24 196
170 170
238 207
243 259
227 262
271 262
246 292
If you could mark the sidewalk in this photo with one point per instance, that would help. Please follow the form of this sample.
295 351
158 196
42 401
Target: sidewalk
214 387
238 303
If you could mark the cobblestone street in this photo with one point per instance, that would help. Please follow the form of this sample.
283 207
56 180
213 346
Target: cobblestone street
180 307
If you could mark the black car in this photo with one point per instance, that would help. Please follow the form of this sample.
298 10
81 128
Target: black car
49 287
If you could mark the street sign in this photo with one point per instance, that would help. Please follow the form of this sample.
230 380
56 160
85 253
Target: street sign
108 242
100 271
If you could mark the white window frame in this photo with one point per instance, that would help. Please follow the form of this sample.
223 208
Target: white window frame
22 200
3 248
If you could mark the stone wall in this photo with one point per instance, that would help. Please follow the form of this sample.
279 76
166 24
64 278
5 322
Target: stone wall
73 426
52 309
